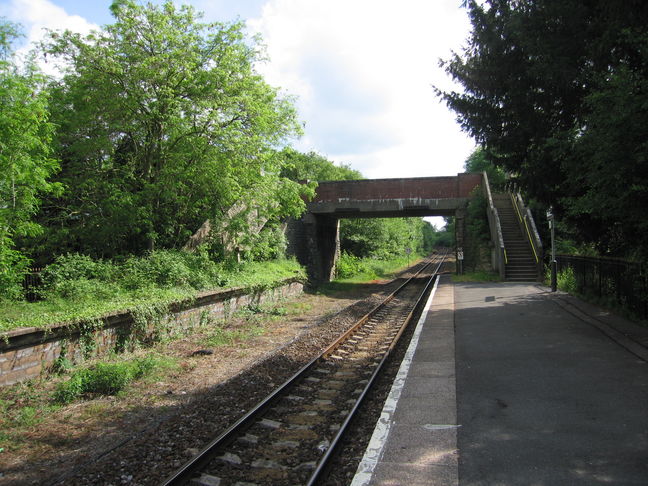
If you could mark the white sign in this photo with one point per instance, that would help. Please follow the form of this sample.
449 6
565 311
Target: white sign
460 255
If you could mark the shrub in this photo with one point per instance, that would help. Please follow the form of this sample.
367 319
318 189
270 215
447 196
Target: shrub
168 268
75 276
104 378
74 266
349 265
13 267
162 268
567 281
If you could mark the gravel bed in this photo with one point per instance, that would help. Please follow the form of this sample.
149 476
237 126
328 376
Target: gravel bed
344 465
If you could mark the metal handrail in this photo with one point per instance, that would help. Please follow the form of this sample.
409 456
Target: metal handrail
526 226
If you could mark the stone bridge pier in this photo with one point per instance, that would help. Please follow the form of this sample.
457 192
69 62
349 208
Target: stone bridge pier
315 240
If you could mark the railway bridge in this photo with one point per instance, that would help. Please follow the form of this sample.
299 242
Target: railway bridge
315 238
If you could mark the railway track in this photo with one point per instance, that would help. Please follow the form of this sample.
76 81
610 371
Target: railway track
288 438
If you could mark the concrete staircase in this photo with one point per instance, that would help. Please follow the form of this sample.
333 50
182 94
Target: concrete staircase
521 263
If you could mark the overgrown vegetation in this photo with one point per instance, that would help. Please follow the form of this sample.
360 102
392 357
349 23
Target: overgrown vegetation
476 246
566 280
354 269
107 378
384 238
189 140
77 287
26 159
189 153
371 248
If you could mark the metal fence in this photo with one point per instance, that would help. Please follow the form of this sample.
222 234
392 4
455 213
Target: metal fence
622 281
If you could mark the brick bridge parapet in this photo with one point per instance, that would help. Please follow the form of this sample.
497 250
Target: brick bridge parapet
458 186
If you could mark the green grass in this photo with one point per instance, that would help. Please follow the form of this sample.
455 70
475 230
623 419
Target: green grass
22 406
254 316
81 294
109 378
369 269
220 336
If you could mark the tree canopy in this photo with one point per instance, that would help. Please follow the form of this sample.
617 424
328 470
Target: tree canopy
555 92
163 124
314 167
26 159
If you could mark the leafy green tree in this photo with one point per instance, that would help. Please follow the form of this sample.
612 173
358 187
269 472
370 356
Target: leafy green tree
163 124
381 238
554 91
314 167
478 161
25 157
611 161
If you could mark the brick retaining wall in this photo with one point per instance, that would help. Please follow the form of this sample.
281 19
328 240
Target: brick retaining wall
25 353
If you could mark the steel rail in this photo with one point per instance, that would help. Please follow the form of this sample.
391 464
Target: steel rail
186 472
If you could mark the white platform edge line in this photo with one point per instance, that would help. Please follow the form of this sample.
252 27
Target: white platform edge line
378 439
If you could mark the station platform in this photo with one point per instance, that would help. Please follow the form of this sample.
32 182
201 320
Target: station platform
510 384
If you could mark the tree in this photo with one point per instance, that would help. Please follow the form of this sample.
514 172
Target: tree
553 91
314 167
25 161
478 161
163 124
381 237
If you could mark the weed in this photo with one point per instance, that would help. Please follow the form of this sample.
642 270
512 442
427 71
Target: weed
62 364
6 441
105 378
220 336
28 417
298 308
567 281
258 312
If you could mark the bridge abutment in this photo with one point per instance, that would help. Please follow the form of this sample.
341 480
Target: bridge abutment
315 241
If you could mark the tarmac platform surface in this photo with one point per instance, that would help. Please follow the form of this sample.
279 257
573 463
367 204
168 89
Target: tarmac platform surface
510 384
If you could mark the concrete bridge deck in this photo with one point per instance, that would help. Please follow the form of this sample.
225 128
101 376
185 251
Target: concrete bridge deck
510 384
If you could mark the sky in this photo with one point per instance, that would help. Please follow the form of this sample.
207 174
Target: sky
362 71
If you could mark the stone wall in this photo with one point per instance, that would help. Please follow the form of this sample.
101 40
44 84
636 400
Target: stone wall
27 352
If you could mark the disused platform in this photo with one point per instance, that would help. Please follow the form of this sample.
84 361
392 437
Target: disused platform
510 384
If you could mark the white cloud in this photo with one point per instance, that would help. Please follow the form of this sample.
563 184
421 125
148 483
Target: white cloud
363 71
38 15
